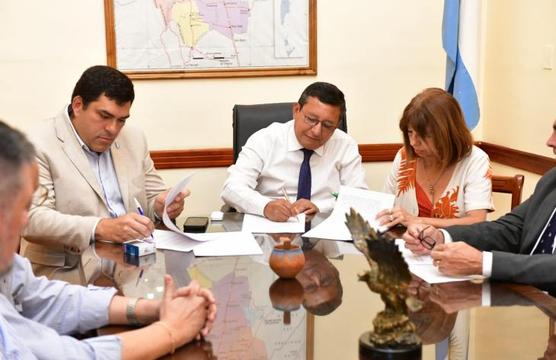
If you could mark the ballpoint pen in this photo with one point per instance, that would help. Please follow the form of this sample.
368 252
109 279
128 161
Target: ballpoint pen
139 277
142 213
288 200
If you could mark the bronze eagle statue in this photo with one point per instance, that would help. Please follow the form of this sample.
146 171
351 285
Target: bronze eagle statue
389 276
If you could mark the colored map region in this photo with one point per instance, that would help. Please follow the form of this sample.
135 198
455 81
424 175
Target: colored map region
210 34
247 326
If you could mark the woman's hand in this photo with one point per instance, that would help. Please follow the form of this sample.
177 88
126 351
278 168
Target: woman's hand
395 216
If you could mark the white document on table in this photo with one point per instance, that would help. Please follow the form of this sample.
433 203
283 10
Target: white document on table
166 219
410 257
169 240
366 202
430 274
260 225
213 244
422 266
233 243
229 244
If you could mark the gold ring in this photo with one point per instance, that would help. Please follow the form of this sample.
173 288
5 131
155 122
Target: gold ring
391 217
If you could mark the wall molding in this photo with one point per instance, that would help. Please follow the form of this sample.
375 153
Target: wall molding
523 160
223 157
192 158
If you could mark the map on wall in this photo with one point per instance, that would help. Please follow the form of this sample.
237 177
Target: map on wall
211 38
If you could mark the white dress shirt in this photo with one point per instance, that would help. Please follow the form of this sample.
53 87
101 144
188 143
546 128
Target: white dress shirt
103 168
270 161
37 314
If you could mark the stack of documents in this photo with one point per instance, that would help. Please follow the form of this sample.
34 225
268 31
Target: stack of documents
367 203
422 266
203 244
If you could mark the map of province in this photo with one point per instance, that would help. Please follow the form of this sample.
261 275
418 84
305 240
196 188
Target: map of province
210 34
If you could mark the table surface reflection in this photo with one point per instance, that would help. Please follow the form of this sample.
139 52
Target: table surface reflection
322 313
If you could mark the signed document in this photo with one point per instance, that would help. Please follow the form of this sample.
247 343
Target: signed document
366 202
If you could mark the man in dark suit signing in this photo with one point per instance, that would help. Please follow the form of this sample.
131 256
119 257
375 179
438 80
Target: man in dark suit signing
518 247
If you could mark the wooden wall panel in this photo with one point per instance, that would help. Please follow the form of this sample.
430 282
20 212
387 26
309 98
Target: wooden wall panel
223 157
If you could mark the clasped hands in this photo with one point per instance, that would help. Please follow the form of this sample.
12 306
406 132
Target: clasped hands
455 259
189 312
135 226
281 209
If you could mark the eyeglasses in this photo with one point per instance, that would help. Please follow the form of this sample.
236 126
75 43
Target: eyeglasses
41 195
325 125
425 240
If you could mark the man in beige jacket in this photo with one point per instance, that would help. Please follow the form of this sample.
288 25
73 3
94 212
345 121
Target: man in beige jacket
92 172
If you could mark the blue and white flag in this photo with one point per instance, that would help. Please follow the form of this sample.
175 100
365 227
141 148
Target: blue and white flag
461 39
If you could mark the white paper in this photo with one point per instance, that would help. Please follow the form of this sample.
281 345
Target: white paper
366 202
261 225
229 244
209 244
347 248
170 225
179 187
410 257
170 240
422 266
430 274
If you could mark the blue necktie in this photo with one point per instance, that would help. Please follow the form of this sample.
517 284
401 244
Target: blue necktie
304 184
546 241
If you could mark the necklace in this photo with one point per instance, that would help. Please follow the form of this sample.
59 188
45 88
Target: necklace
432 185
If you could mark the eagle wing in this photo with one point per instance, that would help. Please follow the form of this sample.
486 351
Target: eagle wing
379 250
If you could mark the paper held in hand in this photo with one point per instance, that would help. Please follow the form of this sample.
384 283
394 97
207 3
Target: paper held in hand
222 243
366 202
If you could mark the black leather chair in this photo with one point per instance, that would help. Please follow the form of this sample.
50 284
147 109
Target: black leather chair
248 119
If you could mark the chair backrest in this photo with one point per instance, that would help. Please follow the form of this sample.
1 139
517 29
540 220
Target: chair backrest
248 119
509 185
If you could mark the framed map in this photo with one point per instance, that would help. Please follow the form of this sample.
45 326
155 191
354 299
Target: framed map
157 39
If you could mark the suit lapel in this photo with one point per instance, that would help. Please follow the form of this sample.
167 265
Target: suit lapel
120 165
75 153
539 220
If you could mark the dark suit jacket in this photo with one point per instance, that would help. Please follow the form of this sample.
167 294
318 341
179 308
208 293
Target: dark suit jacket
512 237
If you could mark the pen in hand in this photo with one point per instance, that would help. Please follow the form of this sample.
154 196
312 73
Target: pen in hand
142 213
287 198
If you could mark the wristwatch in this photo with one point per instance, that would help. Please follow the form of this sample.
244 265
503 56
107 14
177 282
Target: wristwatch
130 313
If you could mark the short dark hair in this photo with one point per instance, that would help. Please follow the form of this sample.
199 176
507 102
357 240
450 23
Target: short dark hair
326 93
436 113
15 152
103 80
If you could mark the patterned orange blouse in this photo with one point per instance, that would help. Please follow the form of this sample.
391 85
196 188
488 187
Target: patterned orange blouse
470 187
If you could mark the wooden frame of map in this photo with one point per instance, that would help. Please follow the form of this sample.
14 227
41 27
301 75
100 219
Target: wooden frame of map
169 39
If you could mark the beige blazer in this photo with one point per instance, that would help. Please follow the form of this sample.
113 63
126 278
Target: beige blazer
59 231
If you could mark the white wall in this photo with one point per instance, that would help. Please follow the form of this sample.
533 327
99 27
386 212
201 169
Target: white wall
380 53
520 96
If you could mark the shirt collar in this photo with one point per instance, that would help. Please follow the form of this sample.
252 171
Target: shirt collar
81 142
293 143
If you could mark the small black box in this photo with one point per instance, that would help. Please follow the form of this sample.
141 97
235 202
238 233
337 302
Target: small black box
196 224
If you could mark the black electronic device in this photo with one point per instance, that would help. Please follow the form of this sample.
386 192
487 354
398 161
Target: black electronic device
196 224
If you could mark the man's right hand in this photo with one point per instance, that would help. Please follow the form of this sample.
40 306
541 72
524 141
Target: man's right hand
279 210
184 314
418 236
123 228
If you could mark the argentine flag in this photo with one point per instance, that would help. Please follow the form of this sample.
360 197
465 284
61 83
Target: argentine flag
461 41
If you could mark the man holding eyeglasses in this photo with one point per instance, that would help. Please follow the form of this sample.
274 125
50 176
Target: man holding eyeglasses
518 247
306 159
